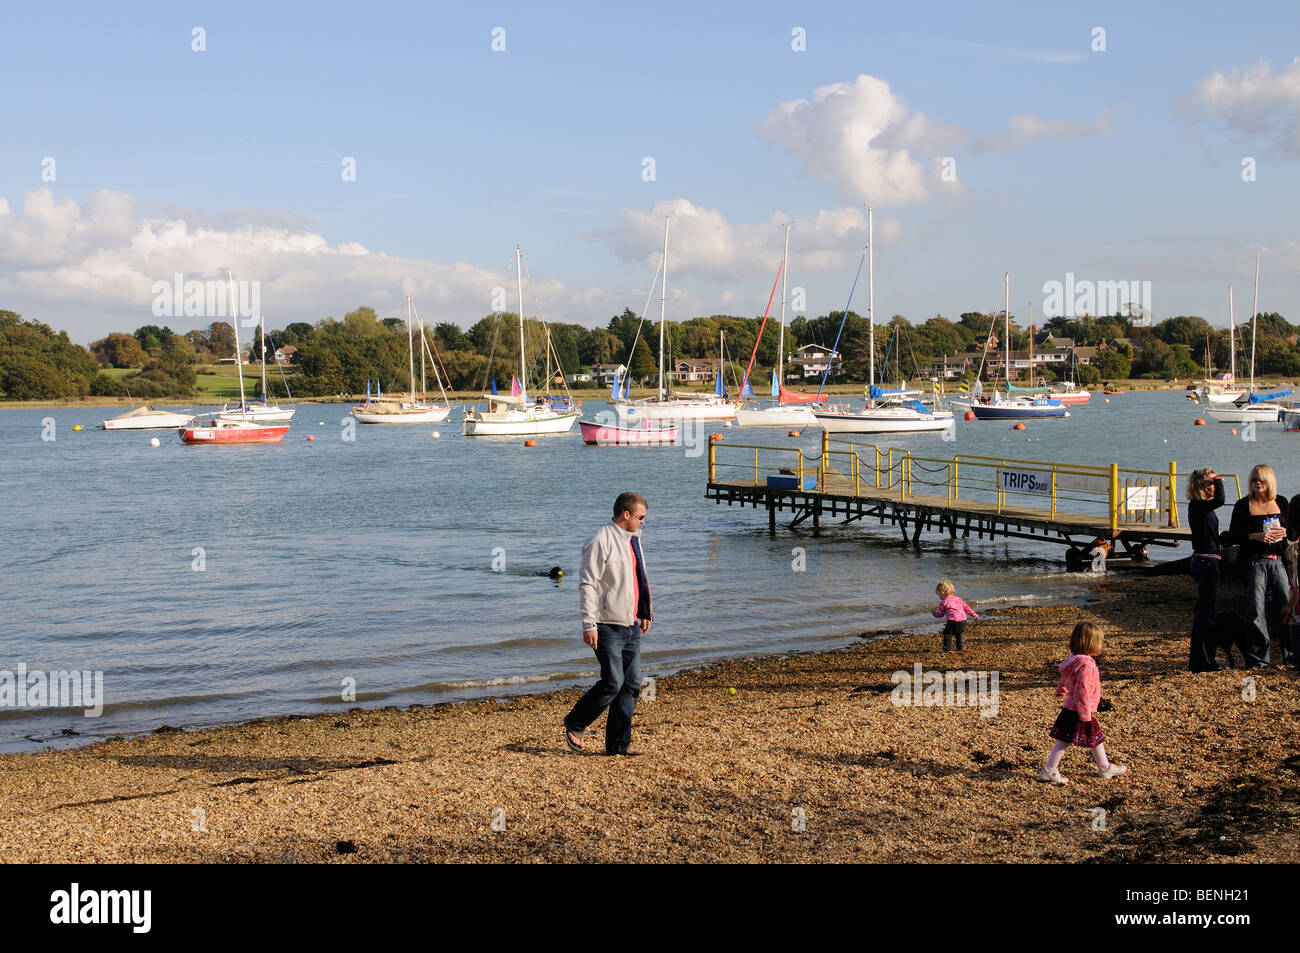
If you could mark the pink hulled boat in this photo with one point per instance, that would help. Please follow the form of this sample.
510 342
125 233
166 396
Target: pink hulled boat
646 435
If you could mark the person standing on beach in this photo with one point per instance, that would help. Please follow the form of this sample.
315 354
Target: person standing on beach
1259 527
1204 496
954 609
1080 692
614 596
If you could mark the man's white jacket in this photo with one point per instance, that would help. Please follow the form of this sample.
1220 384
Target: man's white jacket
607 587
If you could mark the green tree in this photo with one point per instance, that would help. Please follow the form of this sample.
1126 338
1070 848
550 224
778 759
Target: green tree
643 362
1113 363
119 350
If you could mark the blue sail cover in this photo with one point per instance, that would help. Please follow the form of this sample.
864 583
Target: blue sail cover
877 393
494 386
367 388
919 407
747 391
1257 398
776 384
613 394
627 385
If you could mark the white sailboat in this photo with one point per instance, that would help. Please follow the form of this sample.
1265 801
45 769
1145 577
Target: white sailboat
408 409
258 411
665 406
885 412
1250 406
1223 389
517 415
777 414
146 418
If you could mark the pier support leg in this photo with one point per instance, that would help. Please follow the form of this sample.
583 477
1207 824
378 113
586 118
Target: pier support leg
922 517
771 518
817 518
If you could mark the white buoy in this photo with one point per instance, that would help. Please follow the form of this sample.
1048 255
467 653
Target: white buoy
434 435
320 423
153 442
726 423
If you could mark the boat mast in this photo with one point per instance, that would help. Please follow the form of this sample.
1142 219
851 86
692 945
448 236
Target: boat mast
663 307
1006 329
410 348
234 321
519 276
871 309
1254 325
780 348
263 328
424 387
1031 344
1231 337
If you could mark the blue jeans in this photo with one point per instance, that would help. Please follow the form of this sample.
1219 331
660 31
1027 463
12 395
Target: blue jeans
618 648
1265 579
1206 572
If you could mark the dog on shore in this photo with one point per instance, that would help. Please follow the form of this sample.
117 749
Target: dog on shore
1230 630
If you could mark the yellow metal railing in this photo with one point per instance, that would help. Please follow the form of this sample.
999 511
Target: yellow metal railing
1127 495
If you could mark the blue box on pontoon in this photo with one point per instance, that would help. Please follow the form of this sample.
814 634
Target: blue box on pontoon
791 483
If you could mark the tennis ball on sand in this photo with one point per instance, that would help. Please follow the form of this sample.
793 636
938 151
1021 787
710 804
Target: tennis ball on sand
731 691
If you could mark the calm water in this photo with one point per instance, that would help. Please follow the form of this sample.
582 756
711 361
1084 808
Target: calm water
372 560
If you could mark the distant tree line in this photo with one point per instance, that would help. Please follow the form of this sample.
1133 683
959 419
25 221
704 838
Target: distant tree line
337 356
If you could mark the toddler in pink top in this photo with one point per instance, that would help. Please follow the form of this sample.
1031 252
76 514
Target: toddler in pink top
1080 692
953 608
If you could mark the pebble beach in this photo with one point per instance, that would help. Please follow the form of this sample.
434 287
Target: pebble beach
810 760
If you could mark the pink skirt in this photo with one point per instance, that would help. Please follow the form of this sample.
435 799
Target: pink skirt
1068 728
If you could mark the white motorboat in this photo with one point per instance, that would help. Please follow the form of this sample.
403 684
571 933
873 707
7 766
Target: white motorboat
777 415
147 418
909 416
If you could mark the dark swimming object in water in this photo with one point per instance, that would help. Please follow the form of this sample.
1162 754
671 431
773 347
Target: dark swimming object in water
555 572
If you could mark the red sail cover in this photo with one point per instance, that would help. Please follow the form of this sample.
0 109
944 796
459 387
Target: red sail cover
796 397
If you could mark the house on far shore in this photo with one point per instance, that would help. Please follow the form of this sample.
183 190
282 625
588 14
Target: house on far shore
284 355
243 359
811 360
693 371
605 373
580 378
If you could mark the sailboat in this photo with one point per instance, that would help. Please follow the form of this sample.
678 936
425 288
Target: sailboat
1068 392
1009 407
783 412
406 409
666 406
212 429
1224 388
146 417
896 411
516 414
1250 406
259 411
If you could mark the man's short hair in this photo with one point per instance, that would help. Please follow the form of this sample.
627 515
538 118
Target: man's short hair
626 501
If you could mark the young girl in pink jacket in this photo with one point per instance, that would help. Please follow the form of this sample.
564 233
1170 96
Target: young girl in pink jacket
1080 692
953 608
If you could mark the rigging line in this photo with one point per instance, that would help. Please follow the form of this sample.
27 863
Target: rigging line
541 317
641 323
830 361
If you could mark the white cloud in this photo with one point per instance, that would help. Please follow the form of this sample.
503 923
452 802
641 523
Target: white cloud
1028 127
1254 101
859 136
703 244
91 268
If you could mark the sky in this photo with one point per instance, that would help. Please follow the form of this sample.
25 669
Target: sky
342 154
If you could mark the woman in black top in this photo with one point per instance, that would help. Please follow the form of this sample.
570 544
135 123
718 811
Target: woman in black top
1259 527
1204 496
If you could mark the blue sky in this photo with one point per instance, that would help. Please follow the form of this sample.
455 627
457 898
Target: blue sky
1126 165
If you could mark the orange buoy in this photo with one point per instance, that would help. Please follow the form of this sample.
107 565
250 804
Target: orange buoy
794 433
969 415
716 436
1233 431
1018 427
311 436
530 443
1200 422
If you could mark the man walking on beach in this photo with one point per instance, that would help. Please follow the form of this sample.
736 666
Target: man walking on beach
614 596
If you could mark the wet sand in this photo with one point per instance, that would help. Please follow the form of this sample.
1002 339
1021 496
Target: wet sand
809 761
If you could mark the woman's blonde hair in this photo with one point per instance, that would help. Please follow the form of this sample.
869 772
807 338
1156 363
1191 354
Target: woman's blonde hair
1197 482
945 588
1265 472
1086 639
